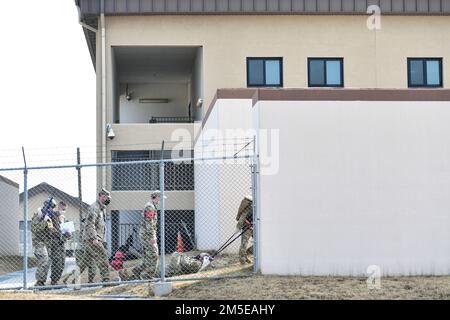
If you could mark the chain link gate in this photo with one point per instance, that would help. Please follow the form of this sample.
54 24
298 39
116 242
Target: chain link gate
196 235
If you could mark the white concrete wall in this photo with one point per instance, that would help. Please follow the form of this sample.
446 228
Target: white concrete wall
206 181
235 178
9 226
196 85
220 186
135 112
115 90
359 184
150 136
136 200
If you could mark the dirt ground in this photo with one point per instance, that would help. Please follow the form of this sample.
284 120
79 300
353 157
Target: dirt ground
40 296
222 262
273 287
14 263
288 288
260 287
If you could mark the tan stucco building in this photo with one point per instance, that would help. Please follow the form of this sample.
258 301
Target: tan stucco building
241 64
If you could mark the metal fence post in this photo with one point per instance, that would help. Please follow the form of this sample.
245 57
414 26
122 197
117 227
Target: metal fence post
254 170
80 202
25 222
162 223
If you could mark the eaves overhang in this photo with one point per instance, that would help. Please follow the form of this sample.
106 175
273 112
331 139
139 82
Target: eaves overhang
89 10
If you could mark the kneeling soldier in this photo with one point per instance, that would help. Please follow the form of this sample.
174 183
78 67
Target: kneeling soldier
245 225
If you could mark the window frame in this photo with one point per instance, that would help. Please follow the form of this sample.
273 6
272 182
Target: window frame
280 59
340 59
425 72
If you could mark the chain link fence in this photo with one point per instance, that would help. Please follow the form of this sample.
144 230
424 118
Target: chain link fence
186 231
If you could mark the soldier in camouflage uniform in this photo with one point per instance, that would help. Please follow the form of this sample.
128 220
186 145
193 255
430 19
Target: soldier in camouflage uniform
180 264
39 233
94 235
56 243
147 237
83 260
48 242
245 221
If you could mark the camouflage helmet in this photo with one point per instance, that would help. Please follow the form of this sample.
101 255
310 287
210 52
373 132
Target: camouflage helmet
104 192
156 193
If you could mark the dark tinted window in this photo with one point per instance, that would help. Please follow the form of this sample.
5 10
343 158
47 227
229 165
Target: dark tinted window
325 72
256 72
424 72
317 72
264 72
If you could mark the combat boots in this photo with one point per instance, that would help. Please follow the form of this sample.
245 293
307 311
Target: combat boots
245 260
105 283
65 278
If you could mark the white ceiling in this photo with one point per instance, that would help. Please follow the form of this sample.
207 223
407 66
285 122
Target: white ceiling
154 64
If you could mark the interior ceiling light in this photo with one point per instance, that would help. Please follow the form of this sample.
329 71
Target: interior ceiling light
153 100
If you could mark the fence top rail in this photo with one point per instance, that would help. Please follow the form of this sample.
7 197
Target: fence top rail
119 163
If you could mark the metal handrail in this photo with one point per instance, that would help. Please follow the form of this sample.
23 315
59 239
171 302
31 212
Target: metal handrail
171 120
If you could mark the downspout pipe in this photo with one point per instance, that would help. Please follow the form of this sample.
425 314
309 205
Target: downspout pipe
103 123
103 76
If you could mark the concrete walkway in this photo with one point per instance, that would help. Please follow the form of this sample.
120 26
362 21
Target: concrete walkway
14 280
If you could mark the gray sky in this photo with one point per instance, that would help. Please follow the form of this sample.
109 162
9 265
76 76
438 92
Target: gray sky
48 88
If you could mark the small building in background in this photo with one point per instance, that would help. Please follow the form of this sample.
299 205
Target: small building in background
9 234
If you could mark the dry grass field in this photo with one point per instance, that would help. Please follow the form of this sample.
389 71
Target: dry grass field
259 287
271 287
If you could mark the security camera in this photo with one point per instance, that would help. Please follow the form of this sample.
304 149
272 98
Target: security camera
109 132
199 103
